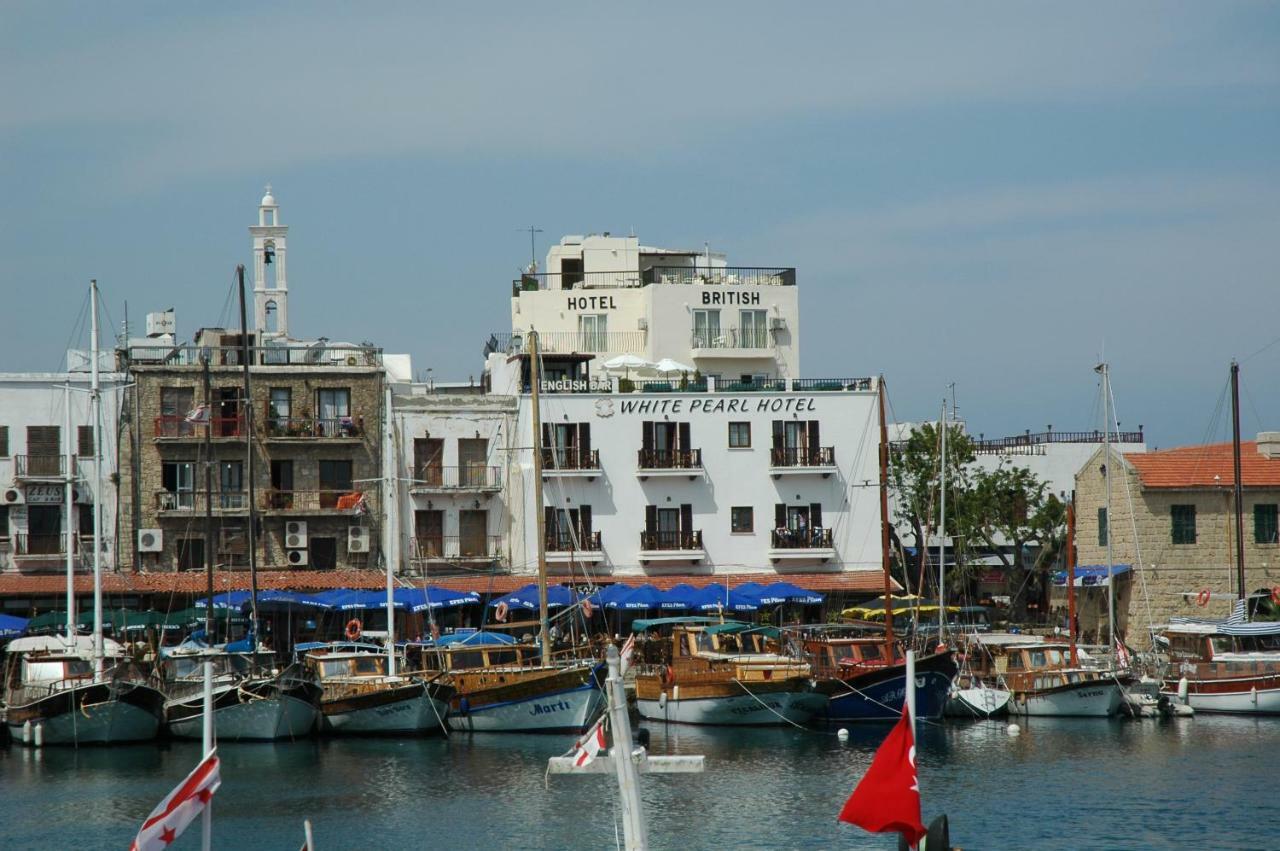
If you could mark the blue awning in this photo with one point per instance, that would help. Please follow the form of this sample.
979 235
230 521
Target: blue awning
644 597
225 600
11 626
715 597
785 592
679 597
1088 575
558 596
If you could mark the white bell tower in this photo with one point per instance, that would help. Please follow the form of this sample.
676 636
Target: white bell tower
270 281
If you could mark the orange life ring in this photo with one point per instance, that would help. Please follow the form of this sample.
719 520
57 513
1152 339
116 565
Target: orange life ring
1275 594
588 608
1202 599
502 612
668 675
354 628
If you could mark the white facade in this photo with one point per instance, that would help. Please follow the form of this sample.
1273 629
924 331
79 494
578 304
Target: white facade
1053 461
270 265
34 442
610 296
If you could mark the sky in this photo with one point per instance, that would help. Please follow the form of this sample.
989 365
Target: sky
995 196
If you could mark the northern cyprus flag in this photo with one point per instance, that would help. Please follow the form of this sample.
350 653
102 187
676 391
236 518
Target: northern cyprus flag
589 745
172 815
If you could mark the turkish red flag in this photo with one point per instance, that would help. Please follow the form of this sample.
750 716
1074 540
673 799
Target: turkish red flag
887 799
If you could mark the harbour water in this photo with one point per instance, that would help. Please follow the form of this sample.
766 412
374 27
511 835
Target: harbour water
1204 782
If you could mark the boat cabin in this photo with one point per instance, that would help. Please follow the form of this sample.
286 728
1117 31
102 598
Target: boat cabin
840 657
347 666
1206 645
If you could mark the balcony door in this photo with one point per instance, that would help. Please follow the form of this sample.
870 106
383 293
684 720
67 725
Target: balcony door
473 460
428 529
473 531
706 329
44 529
226 410
753 328
44 450
568 528
428 460
795 441
179 479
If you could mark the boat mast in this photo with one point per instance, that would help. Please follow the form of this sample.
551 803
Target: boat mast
539 518
248 471
942 533
388 437
208 499
884 528
69 492
1071 579
95 398
1239 488
1105 369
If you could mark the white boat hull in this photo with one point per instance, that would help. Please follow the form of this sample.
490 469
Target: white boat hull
256 720
105 723
980 702
569 710
765 710
1081 700
418 714
1252 702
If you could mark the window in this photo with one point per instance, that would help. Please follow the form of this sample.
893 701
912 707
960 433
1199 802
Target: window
1103 529
333 411
4 522
754 329
742 519
233 545
84 439
86 520
324 553
739 435
567 446
281 493
4 441
1184 523
1266 523
231 482
178 478
175 404
44 450
706 329
335 480
569 528
797 443
594 330
473 456
279 407
190 553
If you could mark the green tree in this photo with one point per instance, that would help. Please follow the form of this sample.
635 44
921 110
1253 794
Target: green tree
915 480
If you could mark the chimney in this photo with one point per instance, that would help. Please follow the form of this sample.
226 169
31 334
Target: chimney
1269 445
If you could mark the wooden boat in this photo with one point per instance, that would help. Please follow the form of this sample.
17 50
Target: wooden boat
50 684
1041 678
503 687
252 700
1229 668
708 672
864 684
360 696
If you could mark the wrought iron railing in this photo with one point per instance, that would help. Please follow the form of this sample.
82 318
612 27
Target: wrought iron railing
560 541
816 538
26 544
314 427
809 385
669 540
318 355
756 385
731 338
177 425
313 500
777 276
39 466
467 476
570 458
195 500
818 456
1009 445
570 342
455 548
670 459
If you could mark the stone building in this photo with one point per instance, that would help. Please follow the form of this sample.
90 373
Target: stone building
1180 534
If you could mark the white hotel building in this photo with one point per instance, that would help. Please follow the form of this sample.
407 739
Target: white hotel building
737 467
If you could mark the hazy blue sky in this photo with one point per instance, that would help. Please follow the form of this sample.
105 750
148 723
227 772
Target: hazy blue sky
985 194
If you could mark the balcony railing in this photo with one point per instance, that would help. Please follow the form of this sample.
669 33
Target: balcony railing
819 456
176 425
1013 445
25 544
682 385
455 548
300 357
569 342
563 542
809 385
670 459
195 500
756 385
313 500
465 477
314 427
774 276
570 458
39 466
732 338
658 540
816 538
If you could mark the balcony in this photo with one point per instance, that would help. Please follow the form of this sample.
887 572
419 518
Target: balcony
671 546
468 549
788 461
313 501
27 546
469 478
570 342
313 428
176 426
768 276
187 502
670 462
294 357
39 468
814 544
732 343
563 548
570 462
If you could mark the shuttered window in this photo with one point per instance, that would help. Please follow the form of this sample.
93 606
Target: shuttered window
1103 529
1183 520
4 441
1266 524
84 439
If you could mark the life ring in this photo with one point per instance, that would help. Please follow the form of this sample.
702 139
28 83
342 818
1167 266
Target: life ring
351 360
1275 594
502 612
354 628
1202 599
668 675
588 608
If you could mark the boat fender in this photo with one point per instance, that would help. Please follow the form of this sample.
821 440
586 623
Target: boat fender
588 608
662 701
39 734
1202 599
1275 594
354 628
502 612
1184 689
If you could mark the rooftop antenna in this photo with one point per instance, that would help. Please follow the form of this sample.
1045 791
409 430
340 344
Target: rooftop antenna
533 248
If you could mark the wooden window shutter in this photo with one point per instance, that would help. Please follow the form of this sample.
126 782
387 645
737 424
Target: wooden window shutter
547 440
813 437
686 518
778 438
685 443
584 437
780 516
550 522
646 435
651 518
584 521
815 514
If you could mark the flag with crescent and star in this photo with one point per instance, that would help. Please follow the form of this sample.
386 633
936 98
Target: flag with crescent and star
887 799
181 807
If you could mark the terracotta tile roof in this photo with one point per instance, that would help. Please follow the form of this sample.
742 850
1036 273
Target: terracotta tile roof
12 585
1196 467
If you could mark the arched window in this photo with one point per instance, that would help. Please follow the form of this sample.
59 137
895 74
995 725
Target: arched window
273 317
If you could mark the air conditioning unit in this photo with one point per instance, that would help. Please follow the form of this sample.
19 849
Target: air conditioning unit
150 541
777 323
357 539
295 534
297 558
13 496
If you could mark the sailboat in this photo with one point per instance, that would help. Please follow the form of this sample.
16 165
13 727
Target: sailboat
252 698
866 678
505 687
1233 665
81 689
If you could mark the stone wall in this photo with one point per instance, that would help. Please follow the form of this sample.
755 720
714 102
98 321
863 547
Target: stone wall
1168 577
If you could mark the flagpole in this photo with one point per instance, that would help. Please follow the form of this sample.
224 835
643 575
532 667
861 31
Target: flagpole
206 823
306 831
911 686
